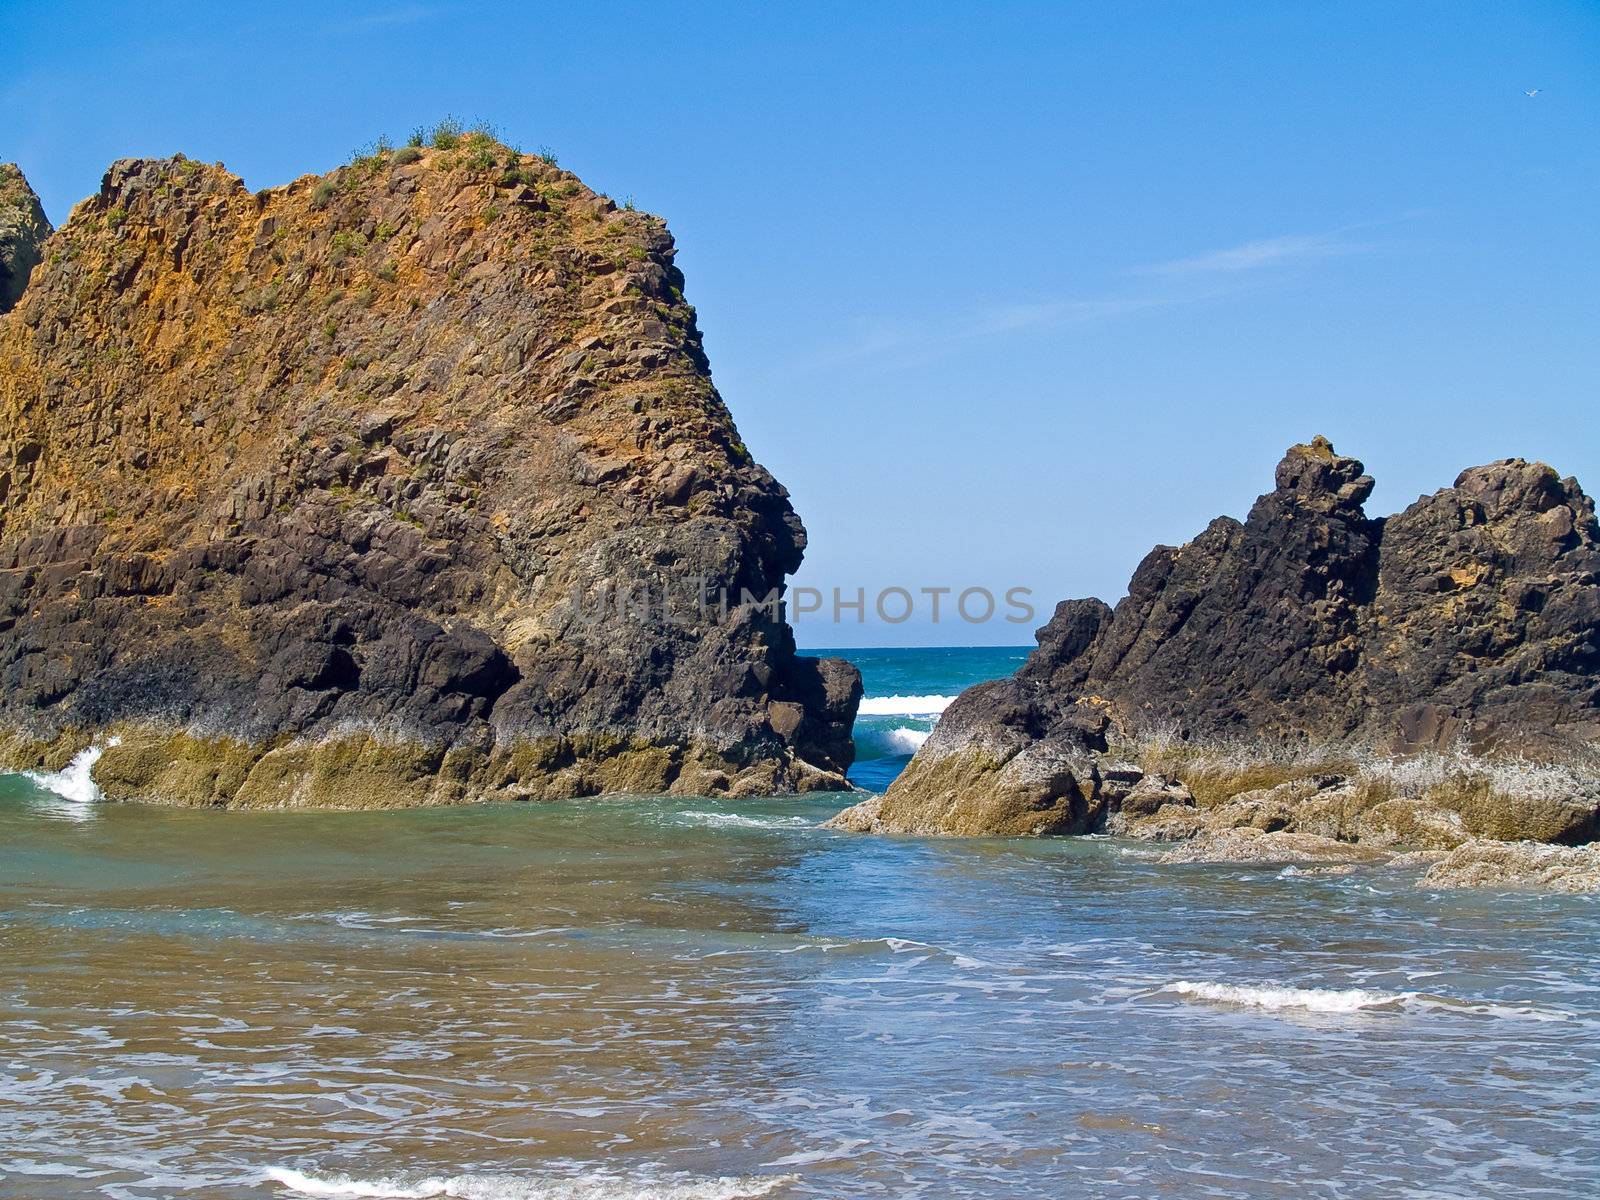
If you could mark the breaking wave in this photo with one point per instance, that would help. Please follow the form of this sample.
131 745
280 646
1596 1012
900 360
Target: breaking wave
1347 1000
1330 1000
898 740
74 781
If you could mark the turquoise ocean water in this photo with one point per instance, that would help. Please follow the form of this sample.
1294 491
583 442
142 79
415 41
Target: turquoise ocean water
648 998
904 692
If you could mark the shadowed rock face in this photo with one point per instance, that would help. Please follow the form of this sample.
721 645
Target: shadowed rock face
1474 615
23 230
1249 625
328 494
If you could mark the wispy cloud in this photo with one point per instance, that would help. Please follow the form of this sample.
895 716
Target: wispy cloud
905 343
1289 251
1236 270
398 14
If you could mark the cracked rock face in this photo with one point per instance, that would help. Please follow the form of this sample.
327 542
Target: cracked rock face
23 230
1471 618
396 485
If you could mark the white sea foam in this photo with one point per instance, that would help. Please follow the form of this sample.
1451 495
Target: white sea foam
903 706
1476 1008
1328 1000
744 822
74 781
903 945
1348 1000
522 1187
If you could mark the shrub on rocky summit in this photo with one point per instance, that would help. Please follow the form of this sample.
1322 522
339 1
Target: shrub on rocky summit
446 135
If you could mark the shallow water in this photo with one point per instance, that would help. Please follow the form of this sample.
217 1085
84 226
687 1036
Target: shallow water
694 999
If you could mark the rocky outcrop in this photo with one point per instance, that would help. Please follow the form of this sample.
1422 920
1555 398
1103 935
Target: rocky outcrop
403 484
1309 640
1524 866
23 230
1376 804
997 768
1477 863
1486 622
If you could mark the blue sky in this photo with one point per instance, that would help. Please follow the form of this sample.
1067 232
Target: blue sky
1004 293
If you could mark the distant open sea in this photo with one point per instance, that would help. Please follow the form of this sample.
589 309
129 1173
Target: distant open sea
650 998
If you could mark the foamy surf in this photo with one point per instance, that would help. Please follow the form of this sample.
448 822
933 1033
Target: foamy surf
525 1187
75 781
904 945
903 706
1347 1000
1327 1000
737 820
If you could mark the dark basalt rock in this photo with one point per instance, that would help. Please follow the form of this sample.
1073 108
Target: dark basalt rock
1473 617
366 490
1486 624
1250 625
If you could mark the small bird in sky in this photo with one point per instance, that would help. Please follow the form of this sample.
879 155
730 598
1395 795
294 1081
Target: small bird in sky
1532 94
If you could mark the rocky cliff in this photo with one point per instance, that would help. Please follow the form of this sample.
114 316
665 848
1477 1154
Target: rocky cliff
1303 648
23 230
402 484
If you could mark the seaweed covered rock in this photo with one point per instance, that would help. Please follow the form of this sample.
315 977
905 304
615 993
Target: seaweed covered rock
1006 763
1522 866
1308 638
403 484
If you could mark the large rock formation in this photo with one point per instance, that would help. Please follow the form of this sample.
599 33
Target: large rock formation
1306 639
404 484
23 230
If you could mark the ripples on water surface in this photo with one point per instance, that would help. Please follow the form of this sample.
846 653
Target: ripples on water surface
693 999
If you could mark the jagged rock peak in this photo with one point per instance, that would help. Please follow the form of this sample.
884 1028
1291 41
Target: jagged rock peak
1471 619
1513 484
23 230
1315 474
329 494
